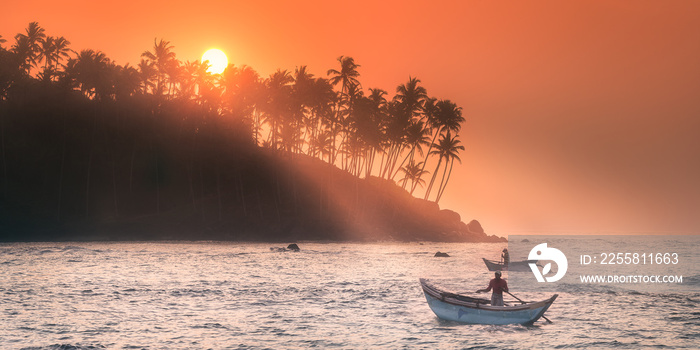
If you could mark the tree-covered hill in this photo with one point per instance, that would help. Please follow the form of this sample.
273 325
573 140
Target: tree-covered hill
93 150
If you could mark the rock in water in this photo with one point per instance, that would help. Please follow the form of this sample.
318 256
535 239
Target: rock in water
441 255
293 247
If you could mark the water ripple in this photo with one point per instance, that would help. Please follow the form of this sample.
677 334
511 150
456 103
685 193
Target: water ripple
229 295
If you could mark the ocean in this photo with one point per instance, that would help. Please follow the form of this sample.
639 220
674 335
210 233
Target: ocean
229 295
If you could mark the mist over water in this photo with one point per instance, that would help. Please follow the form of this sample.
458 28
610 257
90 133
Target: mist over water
200 295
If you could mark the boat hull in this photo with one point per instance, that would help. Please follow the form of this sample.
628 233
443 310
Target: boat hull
454 307
516 266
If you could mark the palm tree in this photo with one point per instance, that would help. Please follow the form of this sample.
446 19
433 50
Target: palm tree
147 73
416 135
413 172
53 50
28 45
162 59
127 82
46 53
186 88
195 82
407 104
320 145
411 96
11 68
60 51
449 116
242 91
347 125
302 102
366 129
276 109
322 101
441 116
448 149
92 72
347 76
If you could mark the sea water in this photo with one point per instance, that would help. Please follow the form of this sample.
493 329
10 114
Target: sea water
213 295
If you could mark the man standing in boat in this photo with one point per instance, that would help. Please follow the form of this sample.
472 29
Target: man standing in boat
505 257
498 285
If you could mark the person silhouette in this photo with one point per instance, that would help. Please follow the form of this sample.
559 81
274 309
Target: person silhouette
505 257
498 285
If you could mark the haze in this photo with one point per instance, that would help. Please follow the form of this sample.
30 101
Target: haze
582 116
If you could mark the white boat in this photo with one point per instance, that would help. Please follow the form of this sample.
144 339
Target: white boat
461 308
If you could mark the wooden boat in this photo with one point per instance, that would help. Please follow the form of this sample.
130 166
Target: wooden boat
461 308
517 266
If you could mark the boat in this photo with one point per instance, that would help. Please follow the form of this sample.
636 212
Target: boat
461 308
516 266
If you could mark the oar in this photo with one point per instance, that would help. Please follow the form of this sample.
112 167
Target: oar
520 300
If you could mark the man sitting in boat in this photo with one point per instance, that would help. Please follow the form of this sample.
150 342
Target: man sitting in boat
505 257
498 285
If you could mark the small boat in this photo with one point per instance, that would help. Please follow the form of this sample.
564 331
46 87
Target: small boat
461 308
517 266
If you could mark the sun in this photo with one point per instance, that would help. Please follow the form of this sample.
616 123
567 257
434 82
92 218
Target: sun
217 61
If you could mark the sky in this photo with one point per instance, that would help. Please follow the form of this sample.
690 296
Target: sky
582 116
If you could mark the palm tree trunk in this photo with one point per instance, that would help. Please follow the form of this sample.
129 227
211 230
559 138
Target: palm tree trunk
389 157
446 181
427 155
395 158
432 180
408 157
442 181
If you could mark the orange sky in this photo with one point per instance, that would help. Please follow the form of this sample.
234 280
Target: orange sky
582 116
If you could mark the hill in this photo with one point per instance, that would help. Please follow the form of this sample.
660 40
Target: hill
81 169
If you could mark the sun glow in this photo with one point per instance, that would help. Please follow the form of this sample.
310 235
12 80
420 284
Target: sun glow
217 61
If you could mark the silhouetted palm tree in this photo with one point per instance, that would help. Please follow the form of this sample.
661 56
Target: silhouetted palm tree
442 116
127 82
53 50
147 74
242 96
277 108
406 111
414 173
162 58
92 72
347 76
410 97
448 149
301 103
416 136
28 45
322 116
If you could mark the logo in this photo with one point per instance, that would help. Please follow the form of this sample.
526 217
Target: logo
542 252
